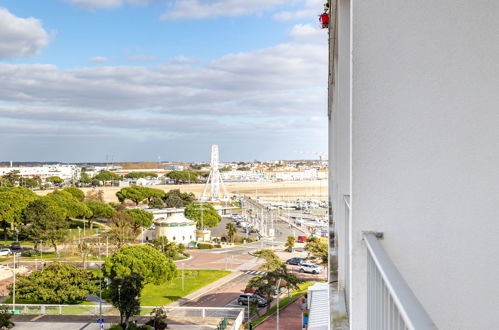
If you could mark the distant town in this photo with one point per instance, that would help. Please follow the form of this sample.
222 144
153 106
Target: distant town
46 176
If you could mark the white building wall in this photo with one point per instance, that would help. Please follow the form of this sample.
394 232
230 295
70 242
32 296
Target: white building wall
425 155
65 172
340 137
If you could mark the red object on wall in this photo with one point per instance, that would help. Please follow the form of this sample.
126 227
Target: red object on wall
324 19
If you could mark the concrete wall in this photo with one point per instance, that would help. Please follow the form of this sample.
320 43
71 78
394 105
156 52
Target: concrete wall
425 152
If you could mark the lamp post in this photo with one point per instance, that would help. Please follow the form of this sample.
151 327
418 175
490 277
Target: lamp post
277 293
14 286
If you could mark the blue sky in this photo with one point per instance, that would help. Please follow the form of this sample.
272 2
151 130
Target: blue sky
84 79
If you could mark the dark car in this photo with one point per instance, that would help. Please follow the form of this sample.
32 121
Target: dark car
295 261
15 246
245 297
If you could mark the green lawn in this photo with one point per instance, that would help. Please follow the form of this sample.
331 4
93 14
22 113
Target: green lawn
157 295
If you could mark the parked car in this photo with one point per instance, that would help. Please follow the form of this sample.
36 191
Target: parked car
15 246
310 268
301 239
245 297
295 261
5 252
307 212
261 294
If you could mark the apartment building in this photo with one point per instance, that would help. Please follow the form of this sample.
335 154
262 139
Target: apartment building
414 159
65 172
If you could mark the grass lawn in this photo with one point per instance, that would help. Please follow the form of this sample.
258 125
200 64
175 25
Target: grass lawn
157 295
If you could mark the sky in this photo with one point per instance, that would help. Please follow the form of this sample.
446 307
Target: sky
134 80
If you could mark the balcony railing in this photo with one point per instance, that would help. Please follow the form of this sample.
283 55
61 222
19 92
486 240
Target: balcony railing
391 303
193 314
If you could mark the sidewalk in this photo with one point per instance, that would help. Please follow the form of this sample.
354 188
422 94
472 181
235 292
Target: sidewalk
289 318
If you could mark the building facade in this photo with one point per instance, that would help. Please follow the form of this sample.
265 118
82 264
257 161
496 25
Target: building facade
414 156
66 172
176 228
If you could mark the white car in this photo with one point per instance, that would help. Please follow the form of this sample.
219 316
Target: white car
310 268
5 252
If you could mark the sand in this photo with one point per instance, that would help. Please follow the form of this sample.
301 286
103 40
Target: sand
289 190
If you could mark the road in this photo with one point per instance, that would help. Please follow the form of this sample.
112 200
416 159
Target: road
265 219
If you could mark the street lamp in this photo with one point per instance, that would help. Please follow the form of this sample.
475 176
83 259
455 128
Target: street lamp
277 293
14 286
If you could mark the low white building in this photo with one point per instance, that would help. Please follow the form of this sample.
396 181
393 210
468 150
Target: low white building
65 172
242 176
292 175
176 228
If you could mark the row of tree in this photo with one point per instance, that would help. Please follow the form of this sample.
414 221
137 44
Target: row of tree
14 179
155 198
128 271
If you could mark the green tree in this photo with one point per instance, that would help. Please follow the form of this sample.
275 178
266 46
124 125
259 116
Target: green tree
225 169
150 263
182 176
272 260
290 243
65 200
138 175
31 182
45 222
140 219
85 178
231 230
156 203
121 229
170 249
54 180
204 213
151 193
317 249
134 193
125 295
176 198
13 201
11 178
57 284
77 193
243 168
99 210
107 176
5 316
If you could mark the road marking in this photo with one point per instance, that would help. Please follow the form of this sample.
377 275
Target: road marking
254 272
36 318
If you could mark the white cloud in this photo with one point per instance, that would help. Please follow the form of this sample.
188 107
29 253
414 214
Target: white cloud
184 60
141 58
105 4
99 59
310 9
20 36
196 9
259 97
308 33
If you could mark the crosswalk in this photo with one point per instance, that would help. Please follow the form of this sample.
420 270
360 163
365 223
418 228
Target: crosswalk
254 272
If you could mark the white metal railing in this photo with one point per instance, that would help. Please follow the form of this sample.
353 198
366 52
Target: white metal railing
391 305
232 313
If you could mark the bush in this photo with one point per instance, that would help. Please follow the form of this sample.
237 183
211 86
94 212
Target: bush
204 246
115 327
30 253
218 246
5 315
238 238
